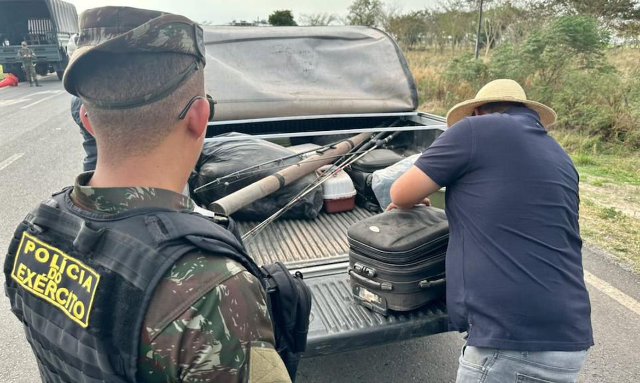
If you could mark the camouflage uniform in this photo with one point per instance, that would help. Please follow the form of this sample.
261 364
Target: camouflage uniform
26 55
208 317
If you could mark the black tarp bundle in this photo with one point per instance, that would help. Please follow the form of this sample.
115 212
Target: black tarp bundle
219 159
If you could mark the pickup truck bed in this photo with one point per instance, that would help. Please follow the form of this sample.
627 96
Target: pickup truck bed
319 249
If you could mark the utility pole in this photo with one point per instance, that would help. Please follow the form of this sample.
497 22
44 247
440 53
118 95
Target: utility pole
479 29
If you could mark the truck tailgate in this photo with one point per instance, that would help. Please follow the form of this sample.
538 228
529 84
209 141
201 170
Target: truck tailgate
338 324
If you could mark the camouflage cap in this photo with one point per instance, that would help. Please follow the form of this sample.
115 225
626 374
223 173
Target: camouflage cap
132 30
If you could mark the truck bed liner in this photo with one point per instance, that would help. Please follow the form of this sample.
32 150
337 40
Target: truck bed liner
291 241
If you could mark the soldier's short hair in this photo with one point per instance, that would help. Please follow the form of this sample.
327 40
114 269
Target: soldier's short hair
115 77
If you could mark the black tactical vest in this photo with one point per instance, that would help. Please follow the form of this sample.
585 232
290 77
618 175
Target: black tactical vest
81 282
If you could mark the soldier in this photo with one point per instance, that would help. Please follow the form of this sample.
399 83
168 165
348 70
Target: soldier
117 278
27 56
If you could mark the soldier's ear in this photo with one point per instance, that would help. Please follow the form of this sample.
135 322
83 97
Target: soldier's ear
84 117
197 117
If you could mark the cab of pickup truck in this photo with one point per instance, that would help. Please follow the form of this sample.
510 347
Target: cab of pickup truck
297 85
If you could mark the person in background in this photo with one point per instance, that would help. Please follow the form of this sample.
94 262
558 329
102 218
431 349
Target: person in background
88 141
27 56
515 280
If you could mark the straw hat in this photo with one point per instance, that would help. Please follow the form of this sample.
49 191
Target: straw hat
500 91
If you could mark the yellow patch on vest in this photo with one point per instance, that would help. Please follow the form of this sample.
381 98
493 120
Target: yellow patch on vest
56 277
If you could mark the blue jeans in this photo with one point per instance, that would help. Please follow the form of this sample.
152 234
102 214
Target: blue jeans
490 365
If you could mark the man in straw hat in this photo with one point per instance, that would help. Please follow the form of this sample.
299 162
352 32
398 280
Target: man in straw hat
116 279
514 264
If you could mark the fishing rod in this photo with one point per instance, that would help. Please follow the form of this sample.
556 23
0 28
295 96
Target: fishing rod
318 150
249 174
365 145
237 200
319 181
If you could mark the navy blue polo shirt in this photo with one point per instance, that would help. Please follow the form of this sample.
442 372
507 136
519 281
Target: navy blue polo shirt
514 263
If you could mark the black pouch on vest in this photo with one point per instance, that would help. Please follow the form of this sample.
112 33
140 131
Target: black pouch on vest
397 259
361 173
290 307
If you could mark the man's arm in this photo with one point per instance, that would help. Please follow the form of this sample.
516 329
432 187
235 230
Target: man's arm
411 188
444 162
225 335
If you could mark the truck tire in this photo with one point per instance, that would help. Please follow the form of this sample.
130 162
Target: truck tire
60 73
42 70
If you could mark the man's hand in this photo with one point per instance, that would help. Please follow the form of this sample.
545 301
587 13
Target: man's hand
392 206
412 188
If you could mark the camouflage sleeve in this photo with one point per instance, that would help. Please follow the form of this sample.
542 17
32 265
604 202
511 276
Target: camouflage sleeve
225 335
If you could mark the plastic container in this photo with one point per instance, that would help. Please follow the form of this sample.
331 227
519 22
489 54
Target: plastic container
382 180
338 192
303 148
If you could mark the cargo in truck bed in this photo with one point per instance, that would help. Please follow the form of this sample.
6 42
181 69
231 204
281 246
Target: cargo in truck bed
294 86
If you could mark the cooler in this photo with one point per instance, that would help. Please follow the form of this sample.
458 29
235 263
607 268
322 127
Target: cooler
338 192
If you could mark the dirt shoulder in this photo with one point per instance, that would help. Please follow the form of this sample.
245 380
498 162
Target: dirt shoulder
610 204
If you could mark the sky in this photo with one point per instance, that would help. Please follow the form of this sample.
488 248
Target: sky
220 12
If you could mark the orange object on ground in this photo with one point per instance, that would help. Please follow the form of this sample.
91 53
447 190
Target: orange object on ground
10 80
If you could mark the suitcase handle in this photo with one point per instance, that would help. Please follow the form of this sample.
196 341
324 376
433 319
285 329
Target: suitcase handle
388 286
431 284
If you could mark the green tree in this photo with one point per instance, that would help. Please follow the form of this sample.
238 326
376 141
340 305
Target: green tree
498 18
409 29
282 18
564 44
365 12
458 21
611 13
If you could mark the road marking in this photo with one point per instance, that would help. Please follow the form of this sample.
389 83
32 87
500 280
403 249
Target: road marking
45 92
13 101
44 99
612 292
10 160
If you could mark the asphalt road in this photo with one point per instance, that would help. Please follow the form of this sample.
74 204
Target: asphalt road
41 152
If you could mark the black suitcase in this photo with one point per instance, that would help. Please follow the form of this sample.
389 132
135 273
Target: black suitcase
397 259
361 173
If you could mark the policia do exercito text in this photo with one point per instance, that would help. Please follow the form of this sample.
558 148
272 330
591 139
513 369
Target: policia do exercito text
41 268
117 279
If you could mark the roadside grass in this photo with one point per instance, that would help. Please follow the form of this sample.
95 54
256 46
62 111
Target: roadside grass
610 196
609 173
